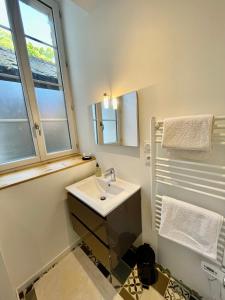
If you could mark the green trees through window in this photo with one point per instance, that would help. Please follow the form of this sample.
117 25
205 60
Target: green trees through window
44 53
6 39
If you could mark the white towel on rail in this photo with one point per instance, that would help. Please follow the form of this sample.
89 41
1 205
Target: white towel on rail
191 226
188 133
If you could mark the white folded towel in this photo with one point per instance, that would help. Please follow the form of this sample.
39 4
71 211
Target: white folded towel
191 226
188 133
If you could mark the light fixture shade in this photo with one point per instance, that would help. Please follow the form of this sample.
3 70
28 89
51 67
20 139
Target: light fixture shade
115 103
106 101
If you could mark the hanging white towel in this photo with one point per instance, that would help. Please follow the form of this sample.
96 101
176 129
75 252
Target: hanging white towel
191 226
188 133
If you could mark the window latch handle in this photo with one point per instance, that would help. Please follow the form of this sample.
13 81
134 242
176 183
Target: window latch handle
101 125
37 127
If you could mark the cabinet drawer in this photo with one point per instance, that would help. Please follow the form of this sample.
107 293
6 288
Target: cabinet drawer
91 219
100 251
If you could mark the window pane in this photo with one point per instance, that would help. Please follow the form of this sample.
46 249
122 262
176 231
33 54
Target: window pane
15 134
3 14
8 62
54 119
109 132
45 66
39 26
51 103
56 135
16 141
42 61
12 100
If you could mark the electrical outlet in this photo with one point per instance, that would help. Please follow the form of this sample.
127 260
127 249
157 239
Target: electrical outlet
213 270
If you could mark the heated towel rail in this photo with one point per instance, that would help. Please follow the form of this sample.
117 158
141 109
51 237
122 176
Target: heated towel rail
188 178
221 240
218 130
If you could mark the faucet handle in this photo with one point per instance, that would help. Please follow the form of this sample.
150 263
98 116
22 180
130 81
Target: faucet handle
110 171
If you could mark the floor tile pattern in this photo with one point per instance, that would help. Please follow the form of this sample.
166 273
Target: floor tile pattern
175 291
133 284
134 287
131 289
166 286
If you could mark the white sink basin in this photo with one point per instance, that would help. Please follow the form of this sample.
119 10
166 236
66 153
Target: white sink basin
101 195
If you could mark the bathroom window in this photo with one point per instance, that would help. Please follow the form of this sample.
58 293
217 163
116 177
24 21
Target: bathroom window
36 117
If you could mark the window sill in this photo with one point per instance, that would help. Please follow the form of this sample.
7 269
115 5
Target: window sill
43 169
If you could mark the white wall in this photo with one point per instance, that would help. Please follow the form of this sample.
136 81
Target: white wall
173 52
34 223
6 290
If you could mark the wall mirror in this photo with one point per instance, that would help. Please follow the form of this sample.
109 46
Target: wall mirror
115 121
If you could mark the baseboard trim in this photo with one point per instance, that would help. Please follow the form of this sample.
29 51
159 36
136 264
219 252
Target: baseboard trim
30 281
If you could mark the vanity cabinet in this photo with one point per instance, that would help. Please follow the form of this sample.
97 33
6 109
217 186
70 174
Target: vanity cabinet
108 237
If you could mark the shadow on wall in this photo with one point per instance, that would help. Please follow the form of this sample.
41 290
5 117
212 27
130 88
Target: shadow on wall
120 150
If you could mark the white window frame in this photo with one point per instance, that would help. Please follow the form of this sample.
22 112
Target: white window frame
28 85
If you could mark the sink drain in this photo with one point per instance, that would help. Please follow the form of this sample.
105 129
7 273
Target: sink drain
102 198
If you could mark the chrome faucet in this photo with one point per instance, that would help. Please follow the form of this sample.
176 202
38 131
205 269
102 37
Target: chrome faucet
110 172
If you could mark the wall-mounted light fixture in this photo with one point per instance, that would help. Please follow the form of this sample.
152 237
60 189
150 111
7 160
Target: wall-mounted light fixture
114 103
108 101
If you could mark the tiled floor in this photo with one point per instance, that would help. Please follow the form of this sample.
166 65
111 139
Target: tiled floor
75 277
176 291
166 287
134 287
150 294
68 280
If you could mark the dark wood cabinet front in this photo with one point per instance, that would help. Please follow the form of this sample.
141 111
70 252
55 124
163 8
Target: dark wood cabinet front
109 237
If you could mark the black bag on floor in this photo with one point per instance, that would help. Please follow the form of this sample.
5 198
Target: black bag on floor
147 272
